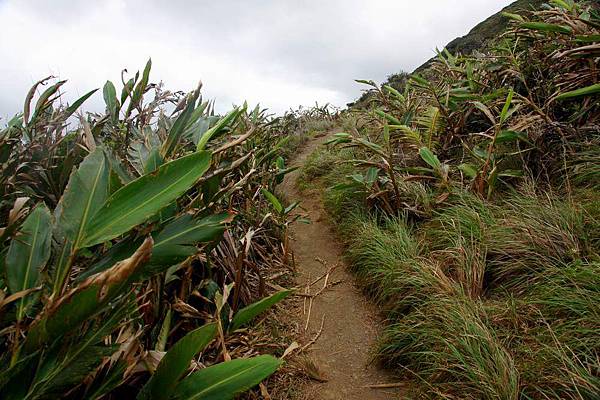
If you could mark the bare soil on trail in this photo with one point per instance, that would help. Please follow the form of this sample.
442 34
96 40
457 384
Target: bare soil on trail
349 322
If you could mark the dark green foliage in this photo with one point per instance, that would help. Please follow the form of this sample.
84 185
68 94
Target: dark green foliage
123 238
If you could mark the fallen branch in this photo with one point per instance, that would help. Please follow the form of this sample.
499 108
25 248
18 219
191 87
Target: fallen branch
386 385
315 338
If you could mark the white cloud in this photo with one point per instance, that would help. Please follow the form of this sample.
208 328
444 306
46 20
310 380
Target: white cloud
279 53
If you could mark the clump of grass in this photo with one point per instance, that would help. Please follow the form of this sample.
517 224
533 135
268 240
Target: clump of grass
295 140
448 344
418 199
318 163
315 126
468 216
456 237
388 263
485 301
584 167
535 232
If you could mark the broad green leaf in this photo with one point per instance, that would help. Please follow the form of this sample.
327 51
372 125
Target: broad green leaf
176 362
27 255
480 153
511 173
110 98
140 88
544 27
89 298
393 91
419 80
181 123
85 193
386 134
366 82
504 113
562 4
63 368
28 99
138 154
219 126
291 207
165 329
586 91
491 181
468 169
515 17
587 38
273 200
372 146
430 158
338 138
178 239
417 170
343 186
358 178
153 161
139 200
280 163
45 100
510 136
391 119
223 381
251 311
127 90
118 169
73 107
201 126
371 175
176 242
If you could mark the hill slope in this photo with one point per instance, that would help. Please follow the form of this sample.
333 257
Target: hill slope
475 39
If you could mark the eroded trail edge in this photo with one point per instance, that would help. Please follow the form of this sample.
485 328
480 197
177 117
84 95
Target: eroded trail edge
345 324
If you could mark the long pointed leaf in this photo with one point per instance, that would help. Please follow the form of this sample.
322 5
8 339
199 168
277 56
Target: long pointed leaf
176 362
586 91
250 312
28 253
89 298
219 126
73 107
85 193
223 381
273 200
139 200
430 158
176 242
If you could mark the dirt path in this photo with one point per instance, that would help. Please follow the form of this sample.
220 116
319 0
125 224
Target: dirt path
342 351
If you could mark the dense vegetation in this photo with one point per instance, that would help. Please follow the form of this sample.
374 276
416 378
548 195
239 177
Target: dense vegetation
474 202
134 243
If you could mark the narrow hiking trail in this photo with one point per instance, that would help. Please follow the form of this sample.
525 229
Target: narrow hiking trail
344 320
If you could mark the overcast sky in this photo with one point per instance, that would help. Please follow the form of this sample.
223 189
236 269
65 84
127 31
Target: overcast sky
277 52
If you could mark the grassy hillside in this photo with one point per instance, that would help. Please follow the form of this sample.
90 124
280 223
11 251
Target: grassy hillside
470 206
476 39
487 30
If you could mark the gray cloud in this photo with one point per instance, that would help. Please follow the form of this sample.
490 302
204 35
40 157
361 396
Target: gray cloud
278 52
